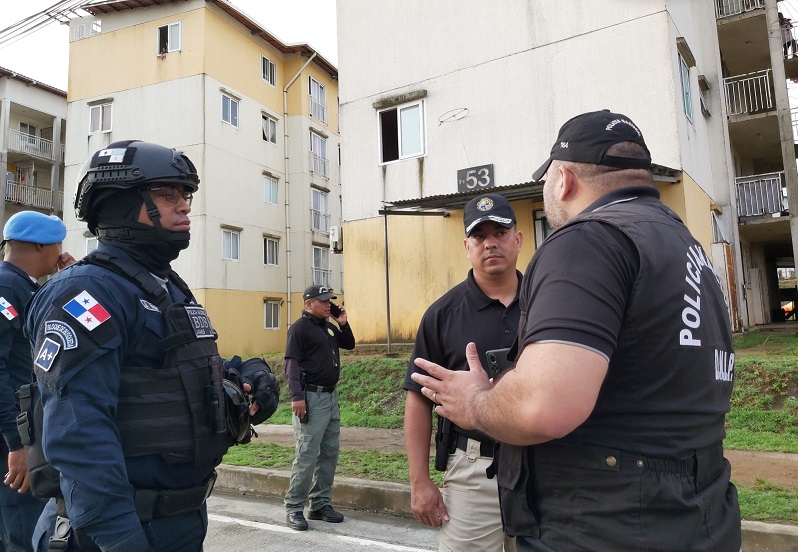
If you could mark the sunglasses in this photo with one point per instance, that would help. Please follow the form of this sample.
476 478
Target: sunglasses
172 194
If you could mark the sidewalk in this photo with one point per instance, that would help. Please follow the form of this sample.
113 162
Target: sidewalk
394 498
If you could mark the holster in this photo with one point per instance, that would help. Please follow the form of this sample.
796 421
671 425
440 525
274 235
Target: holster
44 479
444 439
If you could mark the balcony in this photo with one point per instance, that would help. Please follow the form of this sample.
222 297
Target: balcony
761 194
318 110
319 165
319 221
725 8
321 276
749 93
34 146
41 198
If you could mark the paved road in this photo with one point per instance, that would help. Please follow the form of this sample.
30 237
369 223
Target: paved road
247 523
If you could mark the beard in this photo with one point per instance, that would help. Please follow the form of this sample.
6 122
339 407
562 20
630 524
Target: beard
555 215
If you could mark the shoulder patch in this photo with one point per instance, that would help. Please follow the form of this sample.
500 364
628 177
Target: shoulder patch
149 306
63 330
87 310
200 322
7 309
47 353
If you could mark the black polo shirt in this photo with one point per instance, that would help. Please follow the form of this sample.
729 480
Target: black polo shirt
463 314
314 343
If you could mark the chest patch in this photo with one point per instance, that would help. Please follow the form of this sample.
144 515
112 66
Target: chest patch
87 310
149 306
200 322
329 331
47 353
7 309
63 330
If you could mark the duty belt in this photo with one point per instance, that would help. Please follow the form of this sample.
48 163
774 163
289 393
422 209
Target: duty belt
156 504
485 447
318 388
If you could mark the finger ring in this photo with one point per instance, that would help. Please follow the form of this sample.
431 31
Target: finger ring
435 397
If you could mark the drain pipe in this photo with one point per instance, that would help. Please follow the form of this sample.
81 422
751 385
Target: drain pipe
287 203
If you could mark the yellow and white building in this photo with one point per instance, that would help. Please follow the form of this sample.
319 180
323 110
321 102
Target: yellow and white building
442 100
258 117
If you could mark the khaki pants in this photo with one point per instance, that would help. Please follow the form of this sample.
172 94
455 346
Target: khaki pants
472 500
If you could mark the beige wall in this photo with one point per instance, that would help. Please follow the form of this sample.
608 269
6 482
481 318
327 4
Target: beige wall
692 204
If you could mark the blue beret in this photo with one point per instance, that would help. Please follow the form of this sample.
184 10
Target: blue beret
34 227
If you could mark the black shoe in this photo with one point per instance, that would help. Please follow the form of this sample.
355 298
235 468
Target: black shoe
296 520
326 513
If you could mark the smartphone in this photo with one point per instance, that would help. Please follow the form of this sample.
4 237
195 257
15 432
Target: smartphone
497 362
335 310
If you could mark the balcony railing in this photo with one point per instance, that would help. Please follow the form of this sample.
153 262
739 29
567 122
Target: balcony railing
319 164
42 198
761 194
320 221
34 145
318 110
748 93
321 276
725 8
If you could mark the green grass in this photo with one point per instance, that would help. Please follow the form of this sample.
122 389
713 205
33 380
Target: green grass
369 464
763 417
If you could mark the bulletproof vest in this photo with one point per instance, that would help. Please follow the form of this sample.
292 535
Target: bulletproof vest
676 328
177 410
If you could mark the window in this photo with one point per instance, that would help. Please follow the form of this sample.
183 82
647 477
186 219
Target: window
318 101
271 251
401 132
229 110
91 244
96 26
230 240
270 189
269 129
100 118
170 38
687 98
27 128
78 32
320 216
321 266
271 315
267 70
542 227
318 154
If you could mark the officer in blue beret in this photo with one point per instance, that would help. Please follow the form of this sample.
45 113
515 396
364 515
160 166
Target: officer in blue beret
32 243
138 407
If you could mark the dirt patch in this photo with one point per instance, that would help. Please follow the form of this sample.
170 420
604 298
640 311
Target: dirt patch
747 466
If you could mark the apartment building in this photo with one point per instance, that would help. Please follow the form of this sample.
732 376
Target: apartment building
32 130
444 100
758 51
259 119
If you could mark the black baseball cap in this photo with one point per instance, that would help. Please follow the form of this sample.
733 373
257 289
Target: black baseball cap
587 137
487 207
318 292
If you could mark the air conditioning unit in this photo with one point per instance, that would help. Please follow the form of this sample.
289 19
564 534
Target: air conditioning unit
336 239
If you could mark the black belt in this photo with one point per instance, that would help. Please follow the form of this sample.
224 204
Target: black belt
155 504
485 447
318 388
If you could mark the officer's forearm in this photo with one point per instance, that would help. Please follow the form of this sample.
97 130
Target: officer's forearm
417 430
292 373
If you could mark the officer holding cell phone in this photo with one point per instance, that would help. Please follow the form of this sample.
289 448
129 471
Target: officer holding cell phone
312 367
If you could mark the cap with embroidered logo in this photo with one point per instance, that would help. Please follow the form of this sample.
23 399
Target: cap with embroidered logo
587 137
318 292
487 207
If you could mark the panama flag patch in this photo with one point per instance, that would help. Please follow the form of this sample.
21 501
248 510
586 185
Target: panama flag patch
8 309
85 309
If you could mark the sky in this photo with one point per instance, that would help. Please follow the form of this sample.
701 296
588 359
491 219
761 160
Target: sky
44 54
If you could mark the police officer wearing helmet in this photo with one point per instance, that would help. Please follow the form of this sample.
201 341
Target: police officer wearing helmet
136 412
32 242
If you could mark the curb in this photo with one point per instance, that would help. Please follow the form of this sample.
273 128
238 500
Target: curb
394 499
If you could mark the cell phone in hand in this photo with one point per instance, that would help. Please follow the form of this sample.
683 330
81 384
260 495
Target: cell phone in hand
335 310
497 362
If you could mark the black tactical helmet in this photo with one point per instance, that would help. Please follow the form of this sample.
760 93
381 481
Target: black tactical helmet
237 409
129 165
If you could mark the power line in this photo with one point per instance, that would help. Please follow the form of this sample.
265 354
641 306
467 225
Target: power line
58 12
